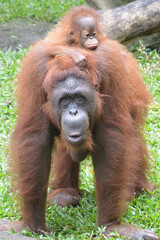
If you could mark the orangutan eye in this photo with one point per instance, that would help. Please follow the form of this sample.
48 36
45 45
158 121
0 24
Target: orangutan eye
87 35
64 102
94 34
80 100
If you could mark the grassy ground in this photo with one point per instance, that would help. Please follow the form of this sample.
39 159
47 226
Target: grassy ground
80 222
44 10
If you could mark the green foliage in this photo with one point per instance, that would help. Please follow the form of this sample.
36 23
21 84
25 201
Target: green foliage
80 222
44 10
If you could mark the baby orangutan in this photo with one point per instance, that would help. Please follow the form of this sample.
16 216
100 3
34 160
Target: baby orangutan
79 28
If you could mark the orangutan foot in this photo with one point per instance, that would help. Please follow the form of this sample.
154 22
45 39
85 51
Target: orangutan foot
64 197
131 232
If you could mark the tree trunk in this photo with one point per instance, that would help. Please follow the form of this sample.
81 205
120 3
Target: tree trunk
104 4
133 20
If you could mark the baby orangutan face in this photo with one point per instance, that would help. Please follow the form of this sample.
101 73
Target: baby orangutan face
86 32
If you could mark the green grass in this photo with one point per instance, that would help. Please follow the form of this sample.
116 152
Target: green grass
80 222
43 10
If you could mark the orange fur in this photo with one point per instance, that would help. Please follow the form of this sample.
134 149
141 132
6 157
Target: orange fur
116 141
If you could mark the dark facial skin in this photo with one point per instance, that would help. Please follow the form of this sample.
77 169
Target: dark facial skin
88 33
73 106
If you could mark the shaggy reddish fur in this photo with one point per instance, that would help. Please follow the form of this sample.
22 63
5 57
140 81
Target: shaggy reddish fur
118 150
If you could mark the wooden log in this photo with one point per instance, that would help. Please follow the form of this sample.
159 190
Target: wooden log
104 4
133 20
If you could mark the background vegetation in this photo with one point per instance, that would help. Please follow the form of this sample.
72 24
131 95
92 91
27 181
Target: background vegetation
33 10
80 222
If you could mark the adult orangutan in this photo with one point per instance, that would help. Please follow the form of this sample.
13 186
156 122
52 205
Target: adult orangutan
97 110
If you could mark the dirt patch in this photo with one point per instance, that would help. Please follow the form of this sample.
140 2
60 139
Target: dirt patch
22 33
11 236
